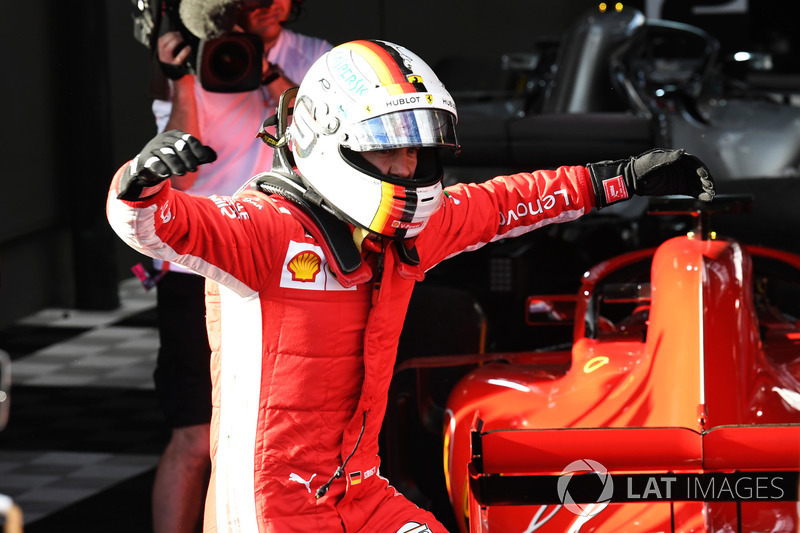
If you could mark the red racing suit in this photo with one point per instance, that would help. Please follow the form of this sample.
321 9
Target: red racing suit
302 364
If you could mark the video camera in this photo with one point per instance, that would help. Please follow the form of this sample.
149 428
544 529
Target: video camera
230 63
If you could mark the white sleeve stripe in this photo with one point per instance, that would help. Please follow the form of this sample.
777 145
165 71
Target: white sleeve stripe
136 227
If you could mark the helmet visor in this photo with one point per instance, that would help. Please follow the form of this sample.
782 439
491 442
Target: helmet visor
402 129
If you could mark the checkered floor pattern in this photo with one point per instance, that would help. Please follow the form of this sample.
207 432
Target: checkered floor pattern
85 430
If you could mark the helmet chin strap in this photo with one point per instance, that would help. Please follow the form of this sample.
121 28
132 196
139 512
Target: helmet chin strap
359 234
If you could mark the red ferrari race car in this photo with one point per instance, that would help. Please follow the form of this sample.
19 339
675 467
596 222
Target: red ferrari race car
676 407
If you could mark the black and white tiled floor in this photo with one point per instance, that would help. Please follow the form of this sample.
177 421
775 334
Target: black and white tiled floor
85 431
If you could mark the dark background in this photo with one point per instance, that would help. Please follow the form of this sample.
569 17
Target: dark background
76 106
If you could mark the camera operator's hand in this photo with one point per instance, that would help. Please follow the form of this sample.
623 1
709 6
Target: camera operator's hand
173 52
172 153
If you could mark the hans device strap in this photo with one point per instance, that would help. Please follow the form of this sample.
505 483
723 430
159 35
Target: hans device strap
333 231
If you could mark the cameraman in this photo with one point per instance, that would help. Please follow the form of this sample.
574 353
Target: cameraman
228 122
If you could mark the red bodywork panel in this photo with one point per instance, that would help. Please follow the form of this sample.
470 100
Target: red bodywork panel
700 378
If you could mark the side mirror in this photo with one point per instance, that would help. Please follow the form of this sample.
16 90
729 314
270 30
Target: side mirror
550 310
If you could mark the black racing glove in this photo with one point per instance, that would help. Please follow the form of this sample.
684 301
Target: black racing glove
658 172
172 153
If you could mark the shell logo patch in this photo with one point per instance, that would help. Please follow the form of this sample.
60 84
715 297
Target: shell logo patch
305 266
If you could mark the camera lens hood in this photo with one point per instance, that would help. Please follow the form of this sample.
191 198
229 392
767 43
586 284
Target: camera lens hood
232 63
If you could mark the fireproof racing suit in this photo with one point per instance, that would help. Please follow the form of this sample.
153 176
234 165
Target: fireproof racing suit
302 363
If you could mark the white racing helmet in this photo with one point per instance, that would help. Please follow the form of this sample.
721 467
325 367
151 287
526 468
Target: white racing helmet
366 96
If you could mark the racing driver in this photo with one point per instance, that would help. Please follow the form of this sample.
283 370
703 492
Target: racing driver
311 266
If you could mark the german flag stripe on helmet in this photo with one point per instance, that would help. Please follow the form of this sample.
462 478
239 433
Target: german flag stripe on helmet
393 199
389 66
